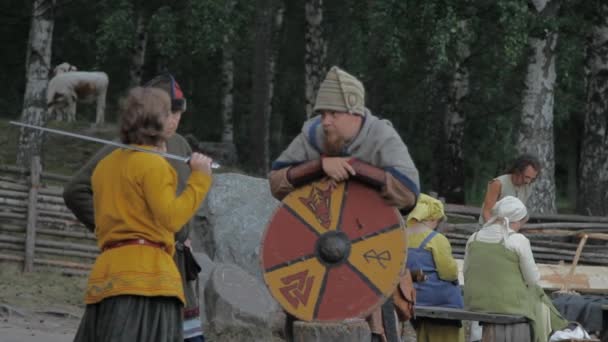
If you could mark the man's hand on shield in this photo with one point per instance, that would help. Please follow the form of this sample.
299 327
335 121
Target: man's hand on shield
337 168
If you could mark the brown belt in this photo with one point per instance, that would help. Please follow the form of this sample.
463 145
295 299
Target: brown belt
144 242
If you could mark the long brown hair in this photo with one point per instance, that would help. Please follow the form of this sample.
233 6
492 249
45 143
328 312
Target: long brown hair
143 113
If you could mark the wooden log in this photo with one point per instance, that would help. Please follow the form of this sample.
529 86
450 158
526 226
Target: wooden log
63 252
44 190
12 239
18 246
46 175
67 245
351 331
10 215
8 246
565 225
32 214
47 262
50 243
475 211
85 235
506 332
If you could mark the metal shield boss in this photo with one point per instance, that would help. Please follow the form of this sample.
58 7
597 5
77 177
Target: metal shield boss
332 253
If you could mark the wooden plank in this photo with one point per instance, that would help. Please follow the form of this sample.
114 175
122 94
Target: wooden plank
32 215
465 315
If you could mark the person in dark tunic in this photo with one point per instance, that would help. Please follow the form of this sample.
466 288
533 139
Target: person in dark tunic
78 196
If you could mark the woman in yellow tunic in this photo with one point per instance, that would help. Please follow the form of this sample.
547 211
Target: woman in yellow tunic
134 292
431 253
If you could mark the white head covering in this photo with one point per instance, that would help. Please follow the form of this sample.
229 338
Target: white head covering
507 210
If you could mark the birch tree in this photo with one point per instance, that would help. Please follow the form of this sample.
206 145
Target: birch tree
315 52
593 167
38 65
228 80
535 134
268 21
140 42
454 123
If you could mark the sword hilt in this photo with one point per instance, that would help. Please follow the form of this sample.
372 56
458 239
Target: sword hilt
214 165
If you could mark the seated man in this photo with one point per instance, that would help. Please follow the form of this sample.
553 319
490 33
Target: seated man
431 253
516 182
500 275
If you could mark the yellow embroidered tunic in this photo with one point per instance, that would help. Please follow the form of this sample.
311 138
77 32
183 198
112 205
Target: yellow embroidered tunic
134 197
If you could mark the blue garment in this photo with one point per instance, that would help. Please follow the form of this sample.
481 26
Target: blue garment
434 291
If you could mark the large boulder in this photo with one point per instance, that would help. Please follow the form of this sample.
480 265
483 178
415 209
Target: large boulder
238 306
233 219
207 267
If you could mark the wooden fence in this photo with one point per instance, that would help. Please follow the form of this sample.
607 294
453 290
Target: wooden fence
36 228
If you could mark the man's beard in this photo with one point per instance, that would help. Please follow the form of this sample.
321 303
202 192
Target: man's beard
333 144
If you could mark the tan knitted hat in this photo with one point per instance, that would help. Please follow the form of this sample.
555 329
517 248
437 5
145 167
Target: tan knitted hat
340 92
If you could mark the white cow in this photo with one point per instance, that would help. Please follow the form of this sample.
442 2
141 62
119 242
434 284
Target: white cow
69 86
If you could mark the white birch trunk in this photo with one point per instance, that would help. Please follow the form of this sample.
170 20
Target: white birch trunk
536 126
138 53
315 52
593 167
269 20
227 91
453 170
228 84
38 66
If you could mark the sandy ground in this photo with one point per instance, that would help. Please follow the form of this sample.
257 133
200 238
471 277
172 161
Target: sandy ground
44 306
41 306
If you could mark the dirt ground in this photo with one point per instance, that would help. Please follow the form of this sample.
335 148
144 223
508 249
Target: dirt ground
40 306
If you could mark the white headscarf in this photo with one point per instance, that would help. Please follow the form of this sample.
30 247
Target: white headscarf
507 210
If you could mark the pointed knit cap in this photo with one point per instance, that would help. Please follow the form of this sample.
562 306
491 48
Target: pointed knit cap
340 92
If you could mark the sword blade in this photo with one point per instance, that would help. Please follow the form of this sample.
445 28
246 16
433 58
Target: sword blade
214 165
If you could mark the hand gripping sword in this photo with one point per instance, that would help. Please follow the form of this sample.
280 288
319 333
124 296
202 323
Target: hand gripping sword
186 160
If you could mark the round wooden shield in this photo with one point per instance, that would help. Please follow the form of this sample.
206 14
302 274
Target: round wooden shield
332 253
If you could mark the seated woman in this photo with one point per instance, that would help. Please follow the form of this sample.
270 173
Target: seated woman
500 275
134 292
431 253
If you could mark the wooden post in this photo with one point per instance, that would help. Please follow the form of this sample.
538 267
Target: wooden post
351 331
32 214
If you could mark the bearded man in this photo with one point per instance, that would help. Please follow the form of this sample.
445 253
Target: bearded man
345 140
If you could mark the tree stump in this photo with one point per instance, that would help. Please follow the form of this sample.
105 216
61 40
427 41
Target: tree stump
351 331
519 332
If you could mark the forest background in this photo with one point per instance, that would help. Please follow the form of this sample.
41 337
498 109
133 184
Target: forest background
468 84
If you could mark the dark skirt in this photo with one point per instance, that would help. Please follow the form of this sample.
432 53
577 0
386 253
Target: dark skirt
132 319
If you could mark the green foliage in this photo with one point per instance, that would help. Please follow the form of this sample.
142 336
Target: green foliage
116 30
163 29
404 51
513 18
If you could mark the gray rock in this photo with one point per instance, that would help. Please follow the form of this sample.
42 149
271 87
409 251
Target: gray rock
207 267
238 306
350 331
233 219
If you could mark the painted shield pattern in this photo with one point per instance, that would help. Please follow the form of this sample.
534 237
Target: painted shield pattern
333 252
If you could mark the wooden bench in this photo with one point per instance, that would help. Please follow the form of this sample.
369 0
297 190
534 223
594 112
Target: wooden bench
496 327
